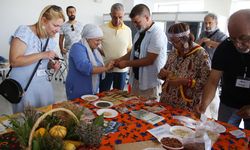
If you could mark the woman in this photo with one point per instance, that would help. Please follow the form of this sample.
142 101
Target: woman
186 70
86 64
26 47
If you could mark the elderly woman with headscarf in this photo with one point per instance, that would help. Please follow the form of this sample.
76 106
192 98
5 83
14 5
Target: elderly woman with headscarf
86 65
186 71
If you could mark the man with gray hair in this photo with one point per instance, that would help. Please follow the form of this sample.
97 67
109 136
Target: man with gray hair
209 39
117 41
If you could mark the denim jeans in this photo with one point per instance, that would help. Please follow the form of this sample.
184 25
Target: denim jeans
117 78
229 115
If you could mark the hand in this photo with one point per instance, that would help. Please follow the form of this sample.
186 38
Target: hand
110 65
64 51
163 73
209 43
122 64
54 64
203 40
49 55
244 112
116 62
200 108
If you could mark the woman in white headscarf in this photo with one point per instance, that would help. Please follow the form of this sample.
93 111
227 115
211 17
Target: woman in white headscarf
86 65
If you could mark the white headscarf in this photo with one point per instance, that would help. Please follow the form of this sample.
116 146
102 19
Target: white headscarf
91 31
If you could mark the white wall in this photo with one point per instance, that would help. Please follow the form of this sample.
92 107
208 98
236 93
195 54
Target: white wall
26 12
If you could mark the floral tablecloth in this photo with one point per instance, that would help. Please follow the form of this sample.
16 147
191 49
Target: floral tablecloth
135 130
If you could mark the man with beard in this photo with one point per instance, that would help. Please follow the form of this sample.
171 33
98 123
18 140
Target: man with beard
117 41
232 62
209 39
70 31
148 55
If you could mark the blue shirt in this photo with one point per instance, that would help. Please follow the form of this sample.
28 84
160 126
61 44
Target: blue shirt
79 78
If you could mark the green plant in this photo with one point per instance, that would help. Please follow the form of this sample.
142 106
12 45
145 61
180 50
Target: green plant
23 124
91 133
47 142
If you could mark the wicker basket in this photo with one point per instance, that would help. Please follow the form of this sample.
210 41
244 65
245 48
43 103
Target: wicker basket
40 119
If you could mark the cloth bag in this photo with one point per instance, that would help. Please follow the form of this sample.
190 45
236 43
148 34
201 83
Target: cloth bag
12 90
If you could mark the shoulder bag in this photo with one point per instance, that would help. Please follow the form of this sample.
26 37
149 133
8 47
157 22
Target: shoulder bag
12 90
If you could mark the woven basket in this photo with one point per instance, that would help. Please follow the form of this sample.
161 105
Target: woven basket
40 119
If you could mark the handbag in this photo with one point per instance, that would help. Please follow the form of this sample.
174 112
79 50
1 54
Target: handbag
12 90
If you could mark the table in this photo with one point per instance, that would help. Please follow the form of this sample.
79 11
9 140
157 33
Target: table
135 130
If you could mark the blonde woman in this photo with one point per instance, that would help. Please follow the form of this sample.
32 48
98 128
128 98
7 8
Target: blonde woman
26 47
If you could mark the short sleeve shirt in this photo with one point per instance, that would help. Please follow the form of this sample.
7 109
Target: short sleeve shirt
232 63
72 33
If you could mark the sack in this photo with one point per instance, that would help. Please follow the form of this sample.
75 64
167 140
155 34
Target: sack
11 90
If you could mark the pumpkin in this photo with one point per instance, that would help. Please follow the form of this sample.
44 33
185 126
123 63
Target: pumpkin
69 146
58 131
40 131
76 143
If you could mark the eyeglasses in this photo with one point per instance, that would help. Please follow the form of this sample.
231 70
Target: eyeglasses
242 40
72 28
174 40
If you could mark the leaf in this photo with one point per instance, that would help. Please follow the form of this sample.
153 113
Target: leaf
35 145
99 121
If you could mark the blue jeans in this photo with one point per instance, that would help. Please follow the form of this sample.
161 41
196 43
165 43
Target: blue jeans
228 114
117 78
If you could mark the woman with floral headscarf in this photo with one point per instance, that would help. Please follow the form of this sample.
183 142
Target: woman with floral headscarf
186 71
86 65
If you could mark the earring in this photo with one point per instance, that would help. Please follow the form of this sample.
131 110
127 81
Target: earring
185 45
43 27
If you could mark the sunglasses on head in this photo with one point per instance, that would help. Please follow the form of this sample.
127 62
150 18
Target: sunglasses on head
55 8
72 28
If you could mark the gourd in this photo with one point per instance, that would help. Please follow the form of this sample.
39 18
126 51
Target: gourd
69 146
40 132
58 131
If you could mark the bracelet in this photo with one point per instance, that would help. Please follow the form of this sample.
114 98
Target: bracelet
183 96
193 83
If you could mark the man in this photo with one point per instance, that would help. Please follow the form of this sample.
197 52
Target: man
148 55
232 62
117 41
210 38
70 31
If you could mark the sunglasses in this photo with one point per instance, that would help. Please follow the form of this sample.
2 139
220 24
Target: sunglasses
72 28
55 8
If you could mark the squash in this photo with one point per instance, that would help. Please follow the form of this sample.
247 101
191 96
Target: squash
58 131
69 146
40 131
76 143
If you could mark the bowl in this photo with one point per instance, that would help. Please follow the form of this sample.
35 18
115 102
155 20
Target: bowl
171 142
181 131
